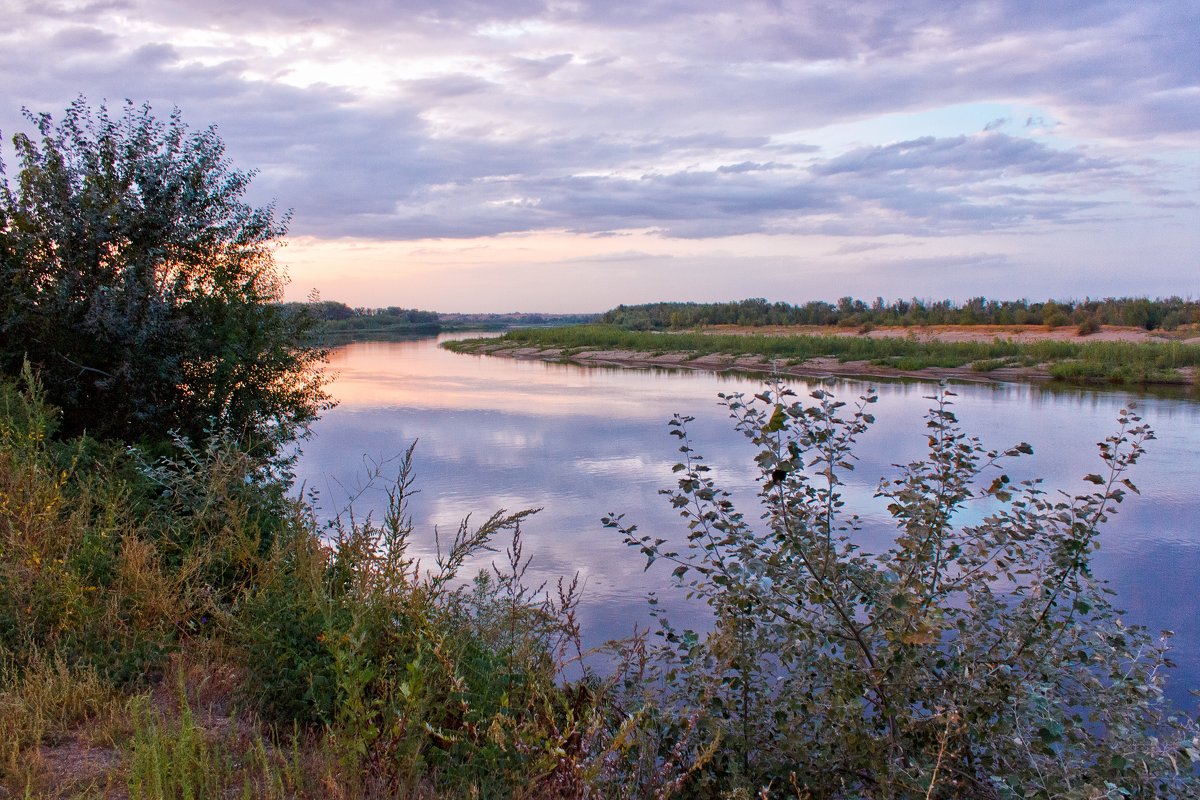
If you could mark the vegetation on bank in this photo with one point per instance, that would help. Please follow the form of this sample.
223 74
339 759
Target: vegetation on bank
1087 315
178 627
1112 362
175 623
198 633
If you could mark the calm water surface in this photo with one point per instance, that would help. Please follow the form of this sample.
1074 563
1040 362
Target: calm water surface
580 443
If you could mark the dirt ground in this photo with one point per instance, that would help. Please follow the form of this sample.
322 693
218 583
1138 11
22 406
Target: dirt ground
972 333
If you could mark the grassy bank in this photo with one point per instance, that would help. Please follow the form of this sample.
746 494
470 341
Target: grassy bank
178 627
1104 361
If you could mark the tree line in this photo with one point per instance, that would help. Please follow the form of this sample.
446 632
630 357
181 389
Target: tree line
339 321
1166 314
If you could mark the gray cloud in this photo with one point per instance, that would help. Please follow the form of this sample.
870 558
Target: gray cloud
82 39
980 155
751 166
537 68
434 90
931 186
685 118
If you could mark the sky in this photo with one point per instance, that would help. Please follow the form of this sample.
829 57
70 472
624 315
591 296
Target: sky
571 155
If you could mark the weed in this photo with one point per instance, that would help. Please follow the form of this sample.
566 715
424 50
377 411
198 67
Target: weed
45 700
990 364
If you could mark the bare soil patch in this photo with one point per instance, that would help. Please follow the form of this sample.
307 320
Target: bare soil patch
717 362
967 333
831 367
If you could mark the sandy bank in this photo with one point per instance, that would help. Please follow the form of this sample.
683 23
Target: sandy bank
1024 334
832 367
812 368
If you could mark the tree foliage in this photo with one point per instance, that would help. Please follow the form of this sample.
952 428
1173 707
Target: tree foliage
975 656
142 286
1168 313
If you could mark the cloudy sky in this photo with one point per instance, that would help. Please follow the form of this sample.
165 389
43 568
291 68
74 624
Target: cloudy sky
569 155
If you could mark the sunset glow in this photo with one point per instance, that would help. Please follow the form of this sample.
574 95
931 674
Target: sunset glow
570 157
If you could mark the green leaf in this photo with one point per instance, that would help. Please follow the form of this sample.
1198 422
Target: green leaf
1051 732
776 423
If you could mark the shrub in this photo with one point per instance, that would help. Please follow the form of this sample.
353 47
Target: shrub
1088 326
143 288
976 656
109 559
1056 319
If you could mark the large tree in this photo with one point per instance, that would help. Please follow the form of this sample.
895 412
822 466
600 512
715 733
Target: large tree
142 287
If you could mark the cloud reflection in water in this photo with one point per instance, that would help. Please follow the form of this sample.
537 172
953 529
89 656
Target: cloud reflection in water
583 442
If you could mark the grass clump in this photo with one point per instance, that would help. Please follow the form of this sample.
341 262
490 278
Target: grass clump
46 700
990 364
173 758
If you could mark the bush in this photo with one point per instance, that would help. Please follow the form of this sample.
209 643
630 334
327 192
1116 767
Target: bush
1056 319
143 288
976 656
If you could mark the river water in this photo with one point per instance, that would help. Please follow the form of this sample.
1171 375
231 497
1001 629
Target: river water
582 442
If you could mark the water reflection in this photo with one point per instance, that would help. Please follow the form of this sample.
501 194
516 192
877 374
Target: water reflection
582 442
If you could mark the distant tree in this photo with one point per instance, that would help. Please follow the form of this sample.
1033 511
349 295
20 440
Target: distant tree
1140 312
143 288
329 309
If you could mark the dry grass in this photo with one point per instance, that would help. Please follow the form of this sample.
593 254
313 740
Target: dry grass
968 333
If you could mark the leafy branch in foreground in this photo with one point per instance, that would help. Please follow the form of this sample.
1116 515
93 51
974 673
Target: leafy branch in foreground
977 656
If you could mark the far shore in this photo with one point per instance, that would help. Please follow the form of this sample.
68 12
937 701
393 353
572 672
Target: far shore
833 367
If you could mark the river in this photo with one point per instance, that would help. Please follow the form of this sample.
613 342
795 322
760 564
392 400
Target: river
583 442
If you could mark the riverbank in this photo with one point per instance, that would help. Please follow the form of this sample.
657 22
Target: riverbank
1111 355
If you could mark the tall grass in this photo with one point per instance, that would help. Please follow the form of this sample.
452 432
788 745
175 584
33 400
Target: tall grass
345 669
48 699
173 759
